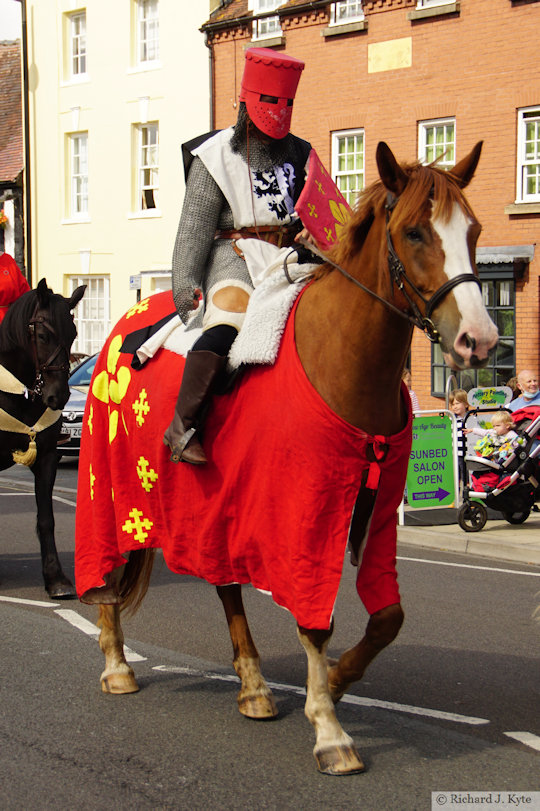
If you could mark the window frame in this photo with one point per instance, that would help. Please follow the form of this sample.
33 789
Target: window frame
143 23
526 114
433 123
79 183
337 173
92 316
335 19
142 151
259 22
79 54
421 4
470 378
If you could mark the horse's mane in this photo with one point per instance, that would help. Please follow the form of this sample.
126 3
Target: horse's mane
14 327
427 185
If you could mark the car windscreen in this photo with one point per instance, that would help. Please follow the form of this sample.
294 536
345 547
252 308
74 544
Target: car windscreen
83 373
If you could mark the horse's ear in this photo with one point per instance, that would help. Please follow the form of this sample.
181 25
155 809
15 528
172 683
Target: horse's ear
392 175
43 292
465 169
76 296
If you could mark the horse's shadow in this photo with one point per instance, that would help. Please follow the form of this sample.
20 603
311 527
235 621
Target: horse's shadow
21 572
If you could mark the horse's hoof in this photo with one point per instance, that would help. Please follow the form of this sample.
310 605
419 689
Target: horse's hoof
258 707
62 591
119 683
339 760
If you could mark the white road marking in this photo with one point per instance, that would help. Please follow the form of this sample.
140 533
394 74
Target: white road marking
356 700
65 501
37 603
470 566
527 738
90 629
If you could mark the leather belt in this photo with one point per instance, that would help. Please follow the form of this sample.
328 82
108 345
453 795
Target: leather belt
280 235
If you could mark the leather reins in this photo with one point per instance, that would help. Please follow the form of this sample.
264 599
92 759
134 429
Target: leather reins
398 276
48 365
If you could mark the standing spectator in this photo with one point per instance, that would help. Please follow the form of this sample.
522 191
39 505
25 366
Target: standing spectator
513 384
407 379
530 394
12 283
459 406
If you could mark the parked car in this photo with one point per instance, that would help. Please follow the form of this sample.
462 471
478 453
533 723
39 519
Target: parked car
69 443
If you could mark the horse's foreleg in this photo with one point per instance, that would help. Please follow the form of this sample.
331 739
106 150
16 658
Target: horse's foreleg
334 750
382 628
255 699
118 676
57 585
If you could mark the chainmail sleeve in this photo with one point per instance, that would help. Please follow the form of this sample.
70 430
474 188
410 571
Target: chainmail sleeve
202 213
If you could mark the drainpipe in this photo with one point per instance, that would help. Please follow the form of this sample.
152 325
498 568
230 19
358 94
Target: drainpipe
27 180
211 78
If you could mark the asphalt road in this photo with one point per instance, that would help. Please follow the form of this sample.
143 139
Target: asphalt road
433 713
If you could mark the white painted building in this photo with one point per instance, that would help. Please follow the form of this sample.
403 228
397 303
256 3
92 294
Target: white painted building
115 88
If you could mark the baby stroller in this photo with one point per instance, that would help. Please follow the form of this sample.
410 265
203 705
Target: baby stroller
510 487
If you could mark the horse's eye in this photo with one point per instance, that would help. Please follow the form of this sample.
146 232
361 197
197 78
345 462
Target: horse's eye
413 235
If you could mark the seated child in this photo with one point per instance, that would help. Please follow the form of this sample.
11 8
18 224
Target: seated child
496 443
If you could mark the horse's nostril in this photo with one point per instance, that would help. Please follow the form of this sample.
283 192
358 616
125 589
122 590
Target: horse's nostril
470 342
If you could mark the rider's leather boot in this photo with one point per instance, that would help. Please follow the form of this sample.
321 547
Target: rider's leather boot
200 371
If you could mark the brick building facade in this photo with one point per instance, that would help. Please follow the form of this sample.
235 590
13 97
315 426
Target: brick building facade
429 77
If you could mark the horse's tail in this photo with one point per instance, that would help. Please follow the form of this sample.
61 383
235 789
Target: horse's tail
136 579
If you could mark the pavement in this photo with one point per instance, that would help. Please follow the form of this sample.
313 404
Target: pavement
438 529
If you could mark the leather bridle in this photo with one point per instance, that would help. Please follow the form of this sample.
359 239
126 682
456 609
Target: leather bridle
49 365
399 278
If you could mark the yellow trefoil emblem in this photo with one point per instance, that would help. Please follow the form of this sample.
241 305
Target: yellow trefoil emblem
341 214
110 386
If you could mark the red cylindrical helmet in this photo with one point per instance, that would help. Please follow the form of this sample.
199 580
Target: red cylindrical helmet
268 88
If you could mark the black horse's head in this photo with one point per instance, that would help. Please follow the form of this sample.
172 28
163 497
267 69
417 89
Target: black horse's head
38 331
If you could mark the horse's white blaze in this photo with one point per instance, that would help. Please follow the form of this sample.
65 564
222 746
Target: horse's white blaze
475 320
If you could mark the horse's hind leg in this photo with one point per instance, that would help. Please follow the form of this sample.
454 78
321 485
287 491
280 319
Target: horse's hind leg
255 699
382 628
118 676
334 750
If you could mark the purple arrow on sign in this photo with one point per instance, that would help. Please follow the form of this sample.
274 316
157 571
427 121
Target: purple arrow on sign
438 494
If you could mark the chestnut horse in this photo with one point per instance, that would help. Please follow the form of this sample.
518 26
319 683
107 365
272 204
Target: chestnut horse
35 342
405 258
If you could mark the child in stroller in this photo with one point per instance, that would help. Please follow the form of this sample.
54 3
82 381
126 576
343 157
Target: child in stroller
506 478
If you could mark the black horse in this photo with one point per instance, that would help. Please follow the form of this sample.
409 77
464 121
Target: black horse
35 342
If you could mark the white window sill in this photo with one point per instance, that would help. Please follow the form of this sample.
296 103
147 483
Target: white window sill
523 208
433 11
75 81
76 221
142 67
344 28
146 214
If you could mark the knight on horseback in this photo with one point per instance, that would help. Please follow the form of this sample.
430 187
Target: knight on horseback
242 184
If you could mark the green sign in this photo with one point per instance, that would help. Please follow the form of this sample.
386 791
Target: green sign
430 474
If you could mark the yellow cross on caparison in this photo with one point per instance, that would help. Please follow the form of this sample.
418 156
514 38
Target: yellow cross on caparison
137 526
146 474
141 407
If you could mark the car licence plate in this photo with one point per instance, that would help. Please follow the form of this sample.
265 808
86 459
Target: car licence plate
75 431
